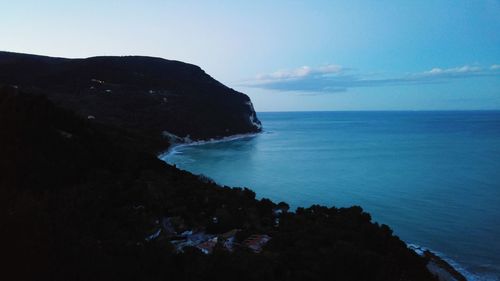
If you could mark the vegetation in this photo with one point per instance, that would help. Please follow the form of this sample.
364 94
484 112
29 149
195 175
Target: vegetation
79 198
143 96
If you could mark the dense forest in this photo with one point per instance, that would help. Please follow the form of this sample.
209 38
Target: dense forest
81 200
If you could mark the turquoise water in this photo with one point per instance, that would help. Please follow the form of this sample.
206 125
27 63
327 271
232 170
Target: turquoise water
434 177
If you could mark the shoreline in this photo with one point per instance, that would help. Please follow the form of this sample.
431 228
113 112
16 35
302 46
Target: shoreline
444 268
438 265
185 142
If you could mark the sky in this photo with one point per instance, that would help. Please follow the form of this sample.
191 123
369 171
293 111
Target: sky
289 55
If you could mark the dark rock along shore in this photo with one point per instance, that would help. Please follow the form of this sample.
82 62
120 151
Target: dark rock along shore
80 196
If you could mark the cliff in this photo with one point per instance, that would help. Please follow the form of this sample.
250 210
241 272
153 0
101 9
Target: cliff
143 96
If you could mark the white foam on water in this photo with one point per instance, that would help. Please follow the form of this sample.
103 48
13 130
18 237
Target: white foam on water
467 274
175 148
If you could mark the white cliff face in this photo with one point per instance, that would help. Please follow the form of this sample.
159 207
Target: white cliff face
255 122
252 117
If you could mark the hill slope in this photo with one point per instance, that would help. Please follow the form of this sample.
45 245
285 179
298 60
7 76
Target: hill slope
143 95
76 205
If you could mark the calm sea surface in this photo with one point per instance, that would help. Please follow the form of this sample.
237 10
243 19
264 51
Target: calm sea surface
434 177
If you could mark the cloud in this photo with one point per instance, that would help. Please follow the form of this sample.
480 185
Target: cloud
337 78
303 72
453 71
314 79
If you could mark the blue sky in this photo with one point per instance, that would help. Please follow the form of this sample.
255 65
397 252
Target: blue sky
289 55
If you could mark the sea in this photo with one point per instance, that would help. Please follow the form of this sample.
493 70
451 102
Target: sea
432 176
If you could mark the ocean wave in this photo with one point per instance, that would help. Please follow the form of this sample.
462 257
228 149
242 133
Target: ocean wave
457 266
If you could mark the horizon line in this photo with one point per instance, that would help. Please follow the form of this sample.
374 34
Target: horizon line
381 110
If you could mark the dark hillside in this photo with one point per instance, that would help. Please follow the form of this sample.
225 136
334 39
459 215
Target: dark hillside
76 205
142 95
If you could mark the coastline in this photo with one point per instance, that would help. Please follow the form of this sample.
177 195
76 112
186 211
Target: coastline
125 196
178 142
440 266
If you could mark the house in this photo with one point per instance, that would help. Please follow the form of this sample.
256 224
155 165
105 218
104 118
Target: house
228 239
195 239
199 237
256 242
208 246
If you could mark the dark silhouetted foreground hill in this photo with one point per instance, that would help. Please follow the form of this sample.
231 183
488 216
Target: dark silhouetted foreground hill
76 205
142 95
